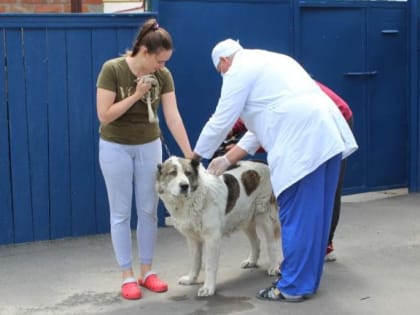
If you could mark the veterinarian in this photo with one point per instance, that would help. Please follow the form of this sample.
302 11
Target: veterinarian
239 130
129 91
305 137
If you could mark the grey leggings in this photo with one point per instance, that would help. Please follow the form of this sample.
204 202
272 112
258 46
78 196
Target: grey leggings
128 167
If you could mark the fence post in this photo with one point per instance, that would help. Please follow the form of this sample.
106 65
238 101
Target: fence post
151 5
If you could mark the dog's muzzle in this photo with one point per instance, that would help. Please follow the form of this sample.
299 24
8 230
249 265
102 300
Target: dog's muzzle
183 188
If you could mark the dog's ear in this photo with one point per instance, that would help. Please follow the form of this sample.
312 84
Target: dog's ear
159 168
195 163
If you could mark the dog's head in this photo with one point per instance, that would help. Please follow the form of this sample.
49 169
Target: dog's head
177 176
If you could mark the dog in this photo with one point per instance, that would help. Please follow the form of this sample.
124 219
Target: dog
206 207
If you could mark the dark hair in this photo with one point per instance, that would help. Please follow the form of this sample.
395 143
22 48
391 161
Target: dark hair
153 37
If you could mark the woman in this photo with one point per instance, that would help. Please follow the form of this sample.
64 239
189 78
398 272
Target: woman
129 90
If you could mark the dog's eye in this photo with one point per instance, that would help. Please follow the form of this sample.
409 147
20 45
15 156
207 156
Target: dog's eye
172 173
188 173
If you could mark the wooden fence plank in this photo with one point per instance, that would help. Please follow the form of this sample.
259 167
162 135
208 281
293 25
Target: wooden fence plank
80 83
19 149
6 212
125 39
59 156
36 101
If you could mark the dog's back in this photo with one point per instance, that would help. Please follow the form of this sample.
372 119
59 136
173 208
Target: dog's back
249 194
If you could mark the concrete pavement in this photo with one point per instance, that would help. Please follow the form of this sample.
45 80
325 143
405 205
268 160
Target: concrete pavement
377 272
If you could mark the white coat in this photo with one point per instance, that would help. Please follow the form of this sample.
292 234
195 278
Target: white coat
285 112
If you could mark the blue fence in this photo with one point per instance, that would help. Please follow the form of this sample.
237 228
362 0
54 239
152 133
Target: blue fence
51 185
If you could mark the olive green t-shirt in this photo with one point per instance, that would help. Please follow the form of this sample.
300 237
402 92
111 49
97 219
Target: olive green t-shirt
133 127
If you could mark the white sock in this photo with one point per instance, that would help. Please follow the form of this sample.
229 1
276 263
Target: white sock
129 280
149 273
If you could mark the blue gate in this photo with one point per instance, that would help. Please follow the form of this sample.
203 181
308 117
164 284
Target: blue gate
365 58
50 183
358 48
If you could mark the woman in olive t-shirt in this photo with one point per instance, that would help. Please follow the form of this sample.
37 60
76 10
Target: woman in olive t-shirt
129 90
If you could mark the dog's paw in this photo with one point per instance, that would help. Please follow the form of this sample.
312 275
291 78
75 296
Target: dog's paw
247 263
187 280
206 291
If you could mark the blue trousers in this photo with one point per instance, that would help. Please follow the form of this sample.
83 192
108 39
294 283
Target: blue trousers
305 215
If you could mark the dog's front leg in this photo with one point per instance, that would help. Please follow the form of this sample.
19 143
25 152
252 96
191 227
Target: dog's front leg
196 251
212 248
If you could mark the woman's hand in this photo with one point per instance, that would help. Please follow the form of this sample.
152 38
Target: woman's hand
143 86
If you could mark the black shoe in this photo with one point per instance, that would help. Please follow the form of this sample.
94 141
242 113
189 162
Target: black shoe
274 294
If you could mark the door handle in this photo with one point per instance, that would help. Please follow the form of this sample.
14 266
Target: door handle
361 74
390 32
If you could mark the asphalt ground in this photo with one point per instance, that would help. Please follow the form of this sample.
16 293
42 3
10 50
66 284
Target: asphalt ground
377 272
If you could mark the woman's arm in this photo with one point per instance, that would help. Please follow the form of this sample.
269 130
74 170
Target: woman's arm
108 111
175 124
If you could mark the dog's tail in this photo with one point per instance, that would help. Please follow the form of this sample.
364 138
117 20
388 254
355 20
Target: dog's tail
274 215
267 216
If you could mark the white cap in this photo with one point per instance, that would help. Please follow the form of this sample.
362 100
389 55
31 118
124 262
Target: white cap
224 48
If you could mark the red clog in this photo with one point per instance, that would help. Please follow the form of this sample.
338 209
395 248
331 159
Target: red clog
153 283
130 291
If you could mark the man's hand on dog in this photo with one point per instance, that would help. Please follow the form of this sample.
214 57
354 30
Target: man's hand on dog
219 165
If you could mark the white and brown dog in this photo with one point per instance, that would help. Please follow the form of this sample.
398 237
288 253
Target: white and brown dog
205 207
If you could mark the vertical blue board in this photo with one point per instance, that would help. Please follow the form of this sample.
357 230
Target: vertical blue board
37 113
125 39
414 116
59 147
19 150
104 47
6 213
80 102
324 52
388 98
